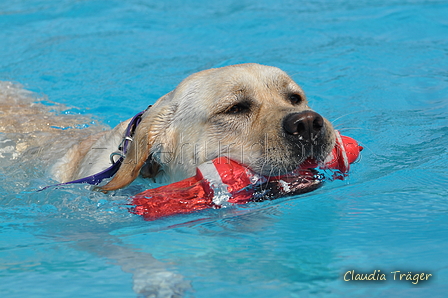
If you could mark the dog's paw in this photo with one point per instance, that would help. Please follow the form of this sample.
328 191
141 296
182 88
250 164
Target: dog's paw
159 284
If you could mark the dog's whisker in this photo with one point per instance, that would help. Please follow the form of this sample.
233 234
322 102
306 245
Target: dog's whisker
262 166
354 128
348 114
271 172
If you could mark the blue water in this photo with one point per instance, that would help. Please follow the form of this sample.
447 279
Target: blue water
378 68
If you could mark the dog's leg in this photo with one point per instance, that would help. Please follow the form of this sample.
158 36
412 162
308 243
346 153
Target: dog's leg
151 278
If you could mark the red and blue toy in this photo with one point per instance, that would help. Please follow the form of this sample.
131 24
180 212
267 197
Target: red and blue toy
223 182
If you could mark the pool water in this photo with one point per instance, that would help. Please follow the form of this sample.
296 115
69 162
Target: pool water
378 69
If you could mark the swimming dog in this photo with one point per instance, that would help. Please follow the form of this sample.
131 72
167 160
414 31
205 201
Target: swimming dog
254 114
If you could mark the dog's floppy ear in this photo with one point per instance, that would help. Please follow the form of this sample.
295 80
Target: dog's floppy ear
154 122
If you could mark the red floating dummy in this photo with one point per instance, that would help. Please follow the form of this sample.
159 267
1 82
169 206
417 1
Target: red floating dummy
223 181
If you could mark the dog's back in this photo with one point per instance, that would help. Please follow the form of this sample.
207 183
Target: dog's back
35 132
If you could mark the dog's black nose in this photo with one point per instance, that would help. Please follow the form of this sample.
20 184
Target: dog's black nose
305 125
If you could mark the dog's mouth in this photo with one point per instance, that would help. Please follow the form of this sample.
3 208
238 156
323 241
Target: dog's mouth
219 183
223 181
304 178
288 162
311 172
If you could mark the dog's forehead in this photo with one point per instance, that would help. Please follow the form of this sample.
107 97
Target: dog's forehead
249 76
200 94
223 81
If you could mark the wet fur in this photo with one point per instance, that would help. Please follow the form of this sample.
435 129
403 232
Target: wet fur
194 123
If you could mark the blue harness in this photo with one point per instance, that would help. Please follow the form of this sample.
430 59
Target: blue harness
95 179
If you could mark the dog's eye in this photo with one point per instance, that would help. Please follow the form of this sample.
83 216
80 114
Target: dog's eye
239 108
295 98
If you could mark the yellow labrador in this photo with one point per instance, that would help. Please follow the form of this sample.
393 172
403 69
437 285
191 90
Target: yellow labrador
251 113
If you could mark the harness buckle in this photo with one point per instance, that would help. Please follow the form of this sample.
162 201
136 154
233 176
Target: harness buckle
126 138
116 153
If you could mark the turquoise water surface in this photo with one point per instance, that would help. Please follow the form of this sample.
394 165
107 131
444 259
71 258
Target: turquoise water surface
378 69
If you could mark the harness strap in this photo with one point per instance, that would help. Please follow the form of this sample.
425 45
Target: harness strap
95 179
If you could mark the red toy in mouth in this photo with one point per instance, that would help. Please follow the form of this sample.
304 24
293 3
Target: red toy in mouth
223 181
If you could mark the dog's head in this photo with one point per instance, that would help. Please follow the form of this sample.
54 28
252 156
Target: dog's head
254 114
